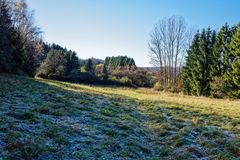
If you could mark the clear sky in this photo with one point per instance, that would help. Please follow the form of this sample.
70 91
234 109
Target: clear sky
100 28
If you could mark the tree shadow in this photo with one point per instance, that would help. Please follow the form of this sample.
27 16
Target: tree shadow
60 123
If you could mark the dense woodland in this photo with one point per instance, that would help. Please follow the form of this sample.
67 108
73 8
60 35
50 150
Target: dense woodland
213 63
206 65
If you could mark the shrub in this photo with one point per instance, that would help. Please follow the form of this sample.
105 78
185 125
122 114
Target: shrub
141 78
114 78
158 86
99 70
126 80
73 75
136 78
217 87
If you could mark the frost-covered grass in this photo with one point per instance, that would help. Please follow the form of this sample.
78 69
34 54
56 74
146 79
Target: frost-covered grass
44 119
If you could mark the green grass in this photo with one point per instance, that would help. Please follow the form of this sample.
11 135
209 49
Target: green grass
45 119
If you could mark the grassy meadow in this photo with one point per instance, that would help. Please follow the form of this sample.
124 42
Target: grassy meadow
46 119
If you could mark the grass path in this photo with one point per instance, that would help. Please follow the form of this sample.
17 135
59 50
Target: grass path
43 119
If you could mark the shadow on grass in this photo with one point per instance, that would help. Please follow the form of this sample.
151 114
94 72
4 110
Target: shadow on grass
42 121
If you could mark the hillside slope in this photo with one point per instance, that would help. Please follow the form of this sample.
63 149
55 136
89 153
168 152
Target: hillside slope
43 119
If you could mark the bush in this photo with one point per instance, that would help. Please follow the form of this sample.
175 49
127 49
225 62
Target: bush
141 78
99 70
81 77
135 78
217 87
158 86
126 80
73 75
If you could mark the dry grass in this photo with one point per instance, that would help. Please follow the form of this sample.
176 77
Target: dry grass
223 107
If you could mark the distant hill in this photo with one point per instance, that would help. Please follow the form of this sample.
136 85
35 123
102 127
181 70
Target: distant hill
149 69
152 69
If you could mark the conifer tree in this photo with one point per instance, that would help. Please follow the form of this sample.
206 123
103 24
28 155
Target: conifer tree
20 54
200 67
221 52
232 76
196 72
6 33
220 61
189 81
72 61
207 61
89 67
105 73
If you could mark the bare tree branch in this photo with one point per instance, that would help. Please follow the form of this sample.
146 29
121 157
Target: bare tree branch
167 46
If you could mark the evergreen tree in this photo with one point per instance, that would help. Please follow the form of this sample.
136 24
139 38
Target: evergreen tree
221 52
232 76
207 55
220 60
196 72
72 61
201 73
199 69
113 63
6 33
105 73
229 58
89 67
20 54
213 64
190 84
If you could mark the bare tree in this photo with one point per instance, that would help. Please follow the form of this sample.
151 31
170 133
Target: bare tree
23 21
168 42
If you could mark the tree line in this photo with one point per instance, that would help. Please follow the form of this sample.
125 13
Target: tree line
206 64
120 61
213 63
63 64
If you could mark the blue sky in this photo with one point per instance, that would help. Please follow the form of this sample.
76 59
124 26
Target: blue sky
100 28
